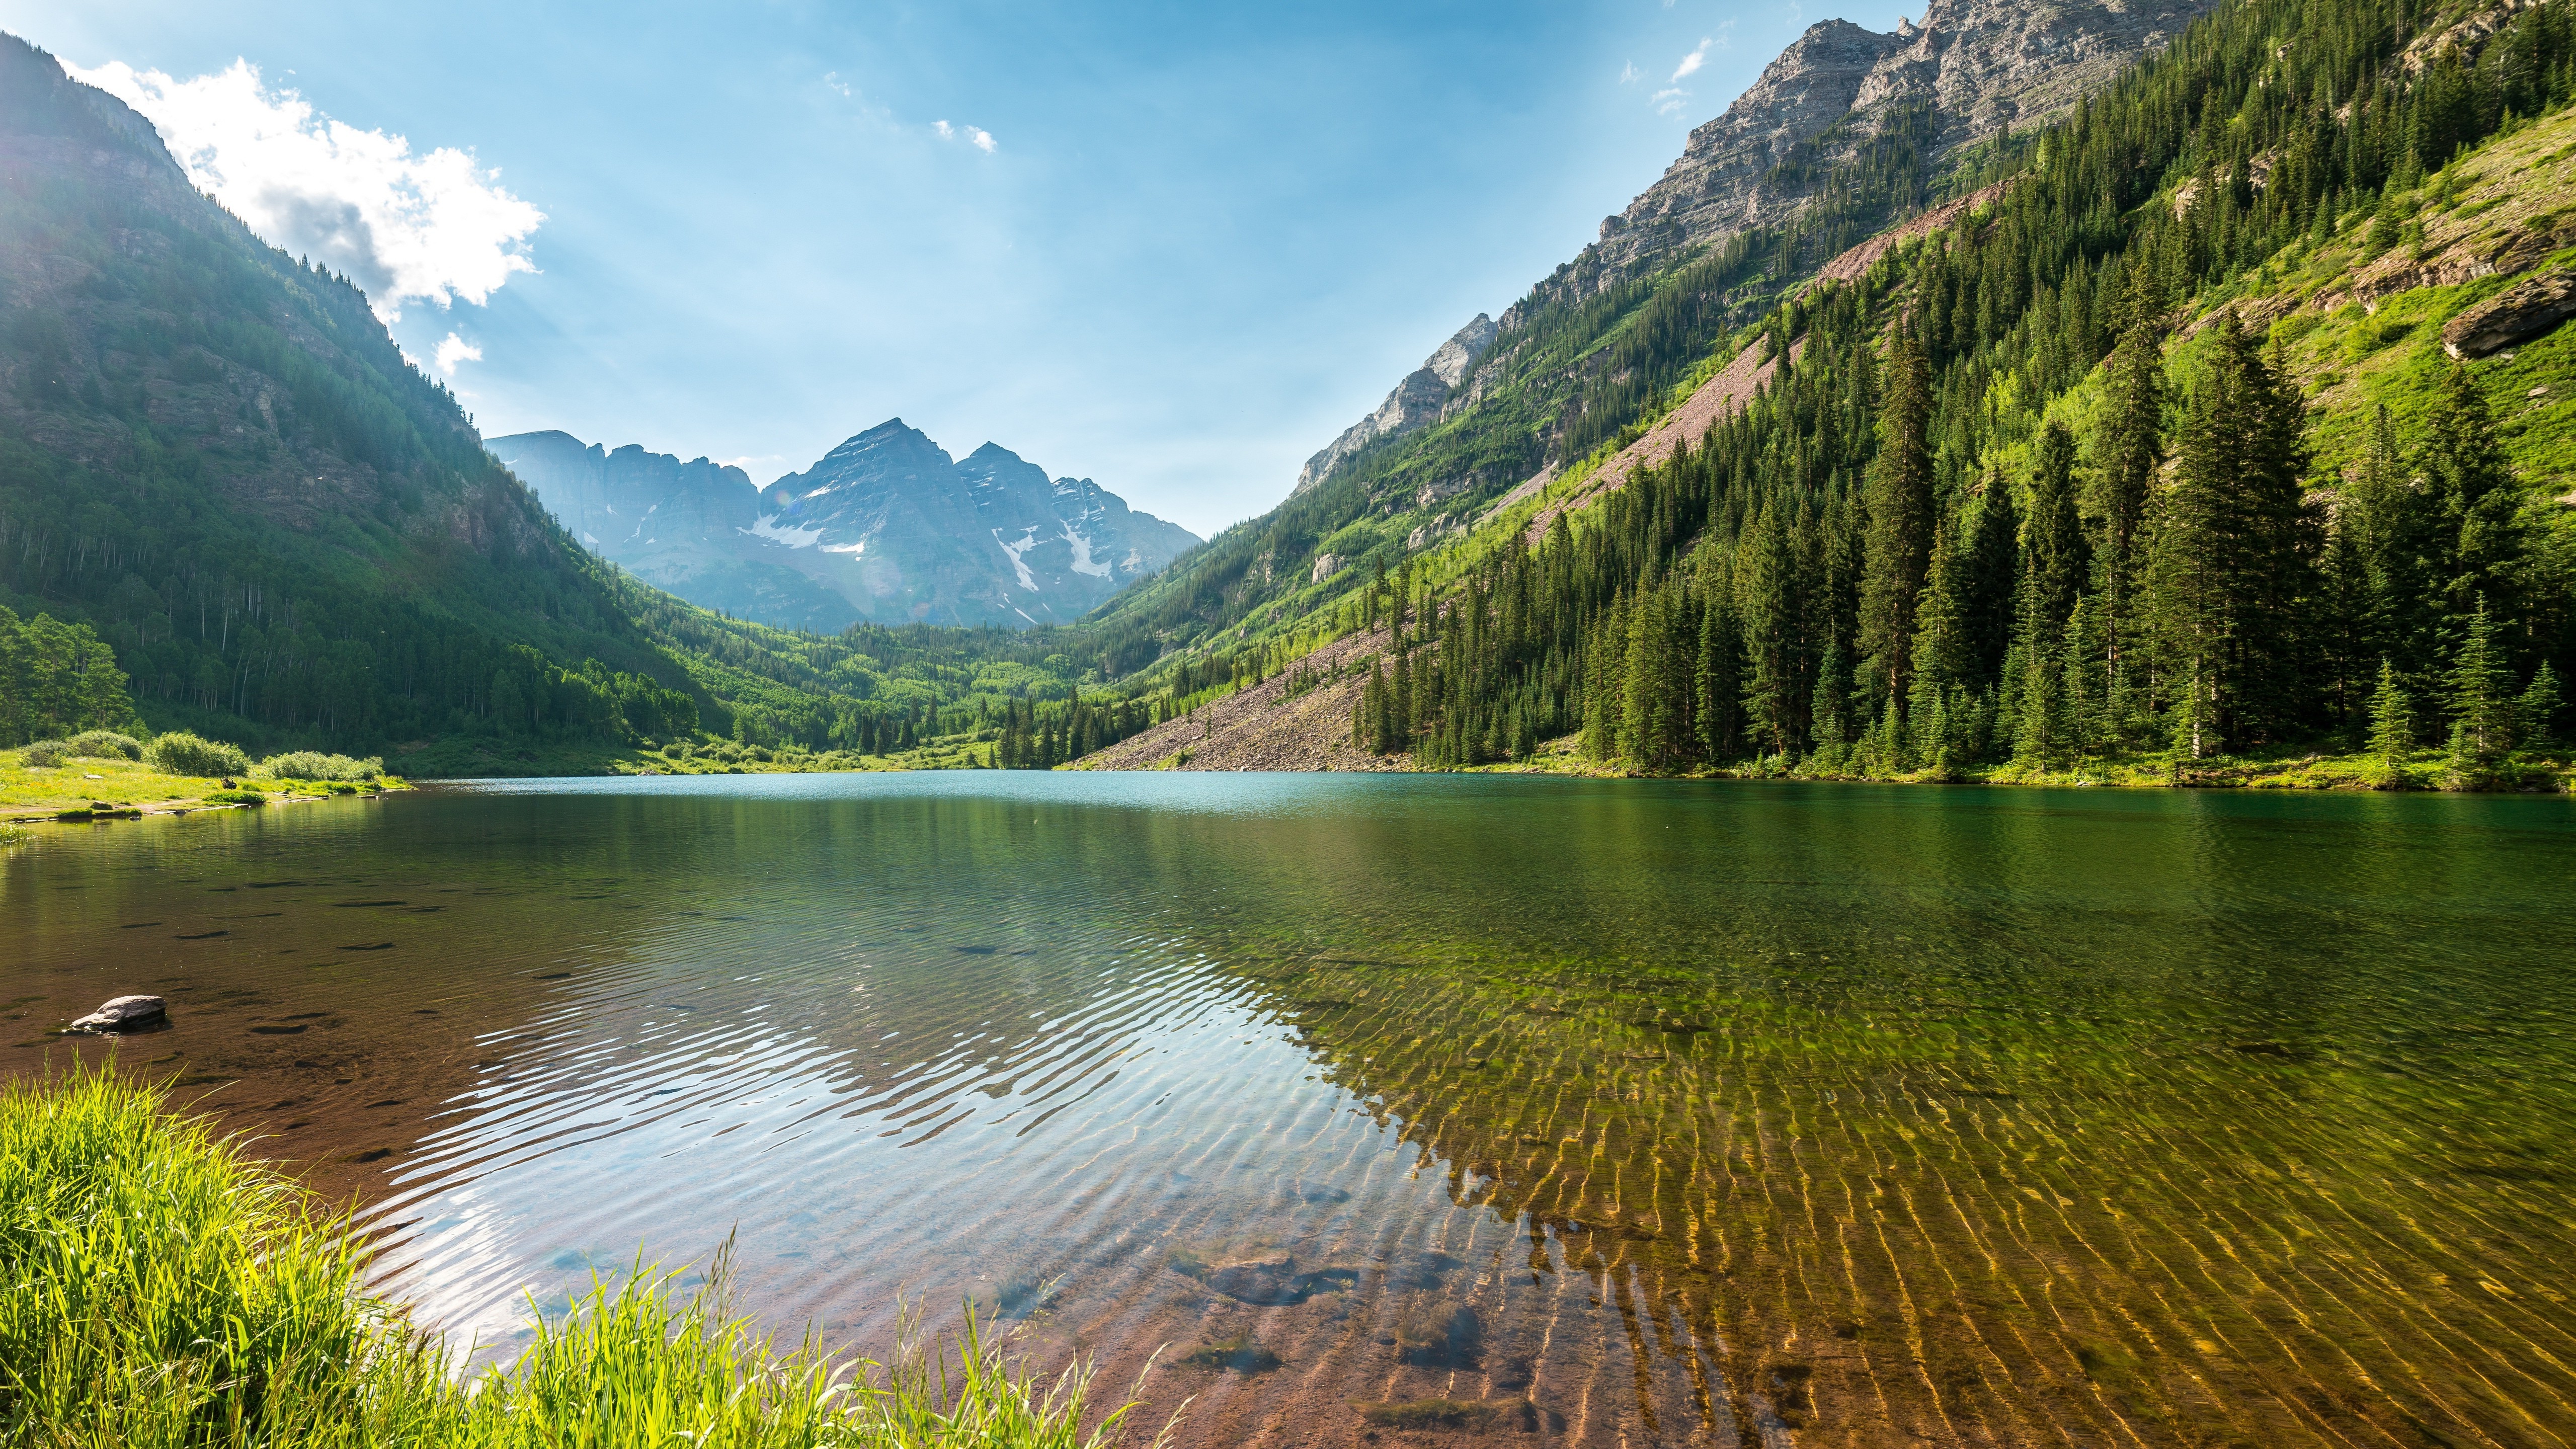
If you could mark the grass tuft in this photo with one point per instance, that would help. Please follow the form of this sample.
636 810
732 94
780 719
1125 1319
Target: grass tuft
160 1290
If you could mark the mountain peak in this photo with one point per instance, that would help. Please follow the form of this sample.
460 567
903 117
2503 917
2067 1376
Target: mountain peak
885 527
1977 65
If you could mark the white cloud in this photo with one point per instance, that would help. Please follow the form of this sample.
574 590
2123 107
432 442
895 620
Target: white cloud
1669 102
975 136
832 81
1693 61
434 228
1629 73
455 350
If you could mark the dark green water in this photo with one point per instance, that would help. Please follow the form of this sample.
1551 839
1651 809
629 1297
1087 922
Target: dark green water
1631 1113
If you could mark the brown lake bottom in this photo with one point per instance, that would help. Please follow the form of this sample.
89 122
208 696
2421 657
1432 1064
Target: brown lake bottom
1427 1109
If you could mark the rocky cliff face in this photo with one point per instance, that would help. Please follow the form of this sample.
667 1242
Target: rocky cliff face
1416 401
1980 65
886 527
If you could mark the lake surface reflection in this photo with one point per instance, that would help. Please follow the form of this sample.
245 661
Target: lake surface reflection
1614 1112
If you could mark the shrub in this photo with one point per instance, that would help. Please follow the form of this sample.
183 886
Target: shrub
105 745
45 754
315 765
181 753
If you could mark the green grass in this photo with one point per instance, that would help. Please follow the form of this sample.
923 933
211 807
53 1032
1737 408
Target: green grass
31 789
160 1290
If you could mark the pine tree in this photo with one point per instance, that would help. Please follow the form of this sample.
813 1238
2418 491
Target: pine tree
2055 557
2481 710
1900 521
2190 567
1721 656
2394 526
2128 451
2231 574
1941 655
2392 726
2473 495
2535 715
1767 603
2039 715
1991 558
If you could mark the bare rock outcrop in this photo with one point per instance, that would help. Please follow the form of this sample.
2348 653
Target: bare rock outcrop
1980 65
2523 311
1416 401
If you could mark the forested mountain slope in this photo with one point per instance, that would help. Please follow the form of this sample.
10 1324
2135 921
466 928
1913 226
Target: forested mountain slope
2039 495
1846 132
217 459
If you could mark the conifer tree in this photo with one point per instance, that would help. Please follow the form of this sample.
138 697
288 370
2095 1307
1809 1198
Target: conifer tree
1941 658
1900 521
2392 725
1721 653
2232 567
2473 494
1992 560
2481 707
1767 603
2038 717
2535 715
2129 449
2054 553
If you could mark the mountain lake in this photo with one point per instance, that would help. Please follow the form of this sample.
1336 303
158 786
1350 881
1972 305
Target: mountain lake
1426 1108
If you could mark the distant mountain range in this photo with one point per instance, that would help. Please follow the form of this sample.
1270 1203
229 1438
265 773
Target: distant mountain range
886 528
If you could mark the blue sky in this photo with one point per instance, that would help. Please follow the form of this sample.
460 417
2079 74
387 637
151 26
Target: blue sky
1174 248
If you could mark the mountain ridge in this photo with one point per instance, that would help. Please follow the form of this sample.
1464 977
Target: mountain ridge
887 527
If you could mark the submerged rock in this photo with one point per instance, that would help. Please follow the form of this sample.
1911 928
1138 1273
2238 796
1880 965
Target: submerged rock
125 1013
1259 1280
2517 314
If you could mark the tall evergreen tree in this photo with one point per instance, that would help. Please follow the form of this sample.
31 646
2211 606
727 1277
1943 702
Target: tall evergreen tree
2232 565
1900 521
2128 451
2481 692
2473 495
2055 557
2392 724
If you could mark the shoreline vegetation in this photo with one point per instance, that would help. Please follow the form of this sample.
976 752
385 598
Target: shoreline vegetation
164 1289
75 792
2421 770
105 775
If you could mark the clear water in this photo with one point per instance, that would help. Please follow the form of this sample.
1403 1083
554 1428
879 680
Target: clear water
1630 1113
